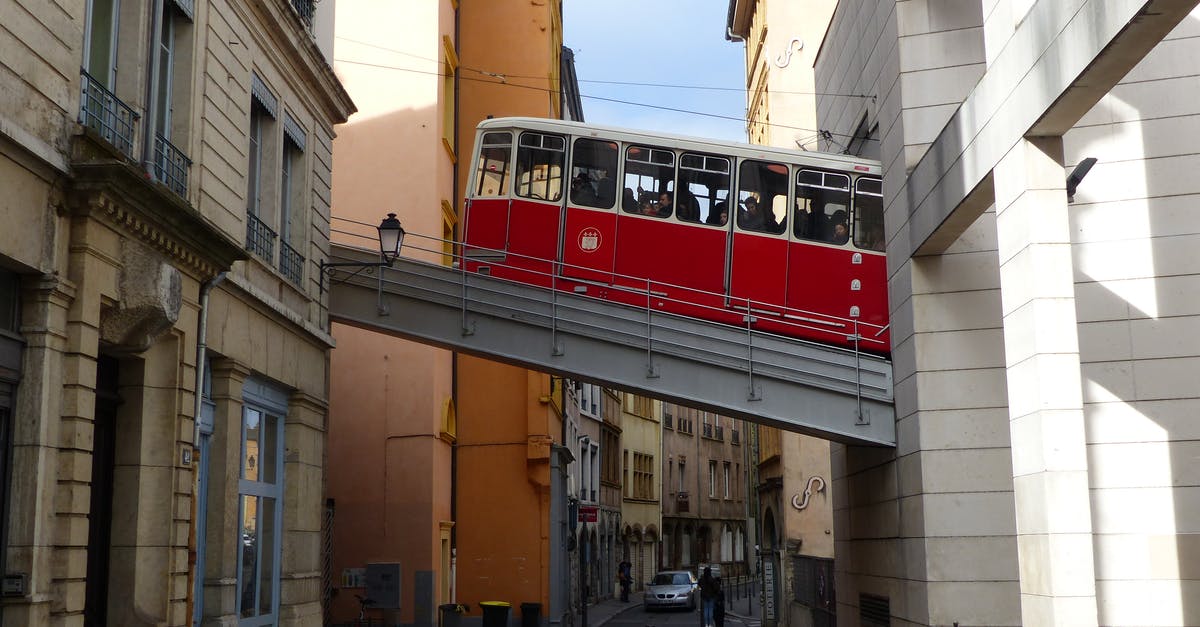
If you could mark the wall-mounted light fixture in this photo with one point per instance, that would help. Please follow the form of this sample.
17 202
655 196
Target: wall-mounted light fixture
1076 176
391 238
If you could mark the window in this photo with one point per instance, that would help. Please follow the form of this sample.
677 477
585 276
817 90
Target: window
593 173
639 405
100 109
762 195
260 505
703 189
712 479
651 172
643 476
626 487
170 164
610 469
291 198
264 107
539 166
822 199
492 169
449 70
682 466
868 214
725 480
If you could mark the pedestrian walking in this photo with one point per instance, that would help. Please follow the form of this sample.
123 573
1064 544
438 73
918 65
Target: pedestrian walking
719 607
710 590
625 578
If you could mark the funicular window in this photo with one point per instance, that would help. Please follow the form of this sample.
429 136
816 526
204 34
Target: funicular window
650 171
594 173
868 214
822 206
493 166
540 166
762 197
703 189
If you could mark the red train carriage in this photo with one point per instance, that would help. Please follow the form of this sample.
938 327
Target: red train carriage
791 241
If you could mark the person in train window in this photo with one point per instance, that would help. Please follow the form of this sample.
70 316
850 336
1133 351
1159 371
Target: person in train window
751 217
840 234
837 230
719 214
665 205
688 208
582 192
629 203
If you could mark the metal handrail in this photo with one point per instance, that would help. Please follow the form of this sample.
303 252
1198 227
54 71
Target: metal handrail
654 289
103 112
260 238
291 263
305 9
171 165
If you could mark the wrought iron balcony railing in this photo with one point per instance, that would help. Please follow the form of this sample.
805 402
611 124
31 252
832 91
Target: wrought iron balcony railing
171 166
305 8
260 239
101 111
291 263
706 430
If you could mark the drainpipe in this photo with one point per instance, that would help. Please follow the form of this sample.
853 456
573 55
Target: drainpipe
454 356
201 337
201 348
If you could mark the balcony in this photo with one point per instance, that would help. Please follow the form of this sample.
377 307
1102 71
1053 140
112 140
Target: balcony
291 263
104 113
735 437
719 432
260 239
681 503
171 166
305 8
706 430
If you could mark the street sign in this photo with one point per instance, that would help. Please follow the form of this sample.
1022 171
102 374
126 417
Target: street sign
588 514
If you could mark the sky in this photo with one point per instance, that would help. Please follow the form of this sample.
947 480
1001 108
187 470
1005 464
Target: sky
658 43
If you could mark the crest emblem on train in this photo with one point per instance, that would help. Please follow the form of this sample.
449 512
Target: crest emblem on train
589 239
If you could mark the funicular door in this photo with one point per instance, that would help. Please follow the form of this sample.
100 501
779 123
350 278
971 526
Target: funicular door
485 223
758 271
644 225
536 211
823 265
589 233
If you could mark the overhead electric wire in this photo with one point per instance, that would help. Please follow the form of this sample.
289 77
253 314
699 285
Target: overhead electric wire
605 82
505 83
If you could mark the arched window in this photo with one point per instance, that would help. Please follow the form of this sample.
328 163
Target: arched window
685 548
726 543
739 545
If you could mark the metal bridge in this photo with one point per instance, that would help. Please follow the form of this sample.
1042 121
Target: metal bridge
829 392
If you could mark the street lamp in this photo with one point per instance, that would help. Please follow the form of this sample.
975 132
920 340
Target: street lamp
391 238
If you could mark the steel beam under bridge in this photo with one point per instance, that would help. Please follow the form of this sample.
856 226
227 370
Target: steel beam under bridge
799 386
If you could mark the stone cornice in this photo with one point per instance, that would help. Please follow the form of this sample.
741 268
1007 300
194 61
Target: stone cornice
121 192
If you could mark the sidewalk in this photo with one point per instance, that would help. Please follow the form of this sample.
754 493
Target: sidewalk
744 609
601 612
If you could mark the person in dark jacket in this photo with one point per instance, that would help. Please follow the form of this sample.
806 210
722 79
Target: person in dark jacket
710 590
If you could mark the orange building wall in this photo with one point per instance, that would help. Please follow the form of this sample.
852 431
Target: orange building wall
506 423
388 466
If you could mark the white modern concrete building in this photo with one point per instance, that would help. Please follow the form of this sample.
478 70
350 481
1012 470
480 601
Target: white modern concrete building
1046 352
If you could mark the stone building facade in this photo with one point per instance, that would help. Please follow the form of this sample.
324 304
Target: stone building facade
179 183
704 498
1045 366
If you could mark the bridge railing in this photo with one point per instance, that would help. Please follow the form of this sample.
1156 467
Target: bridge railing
856 332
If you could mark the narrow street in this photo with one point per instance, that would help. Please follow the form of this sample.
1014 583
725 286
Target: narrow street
737 615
